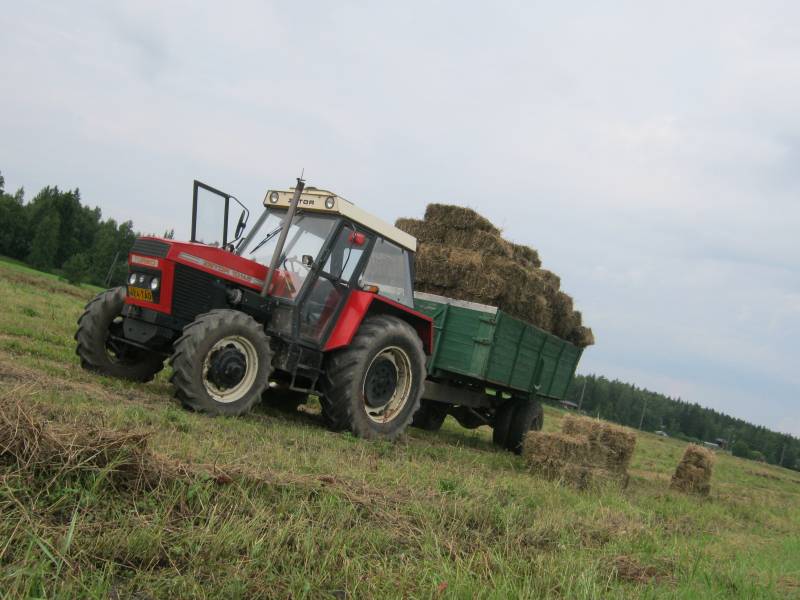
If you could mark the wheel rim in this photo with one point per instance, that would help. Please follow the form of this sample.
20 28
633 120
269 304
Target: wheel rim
387 384
230 369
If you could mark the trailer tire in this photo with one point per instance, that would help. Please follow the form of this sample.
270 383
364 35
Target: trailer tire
384 362
222 363
514 420
284 399
101 317
430 416
502 422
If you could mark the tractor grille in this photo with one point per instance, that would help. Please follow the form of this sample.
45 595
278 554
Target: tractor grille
150 248
192 292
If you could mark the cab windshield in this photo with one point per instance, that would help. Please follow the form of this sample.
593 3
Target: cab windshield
306 237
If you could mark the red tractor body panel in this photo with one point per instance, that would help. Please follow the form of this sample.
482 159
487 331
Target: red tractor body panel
211 260
360 304
251 274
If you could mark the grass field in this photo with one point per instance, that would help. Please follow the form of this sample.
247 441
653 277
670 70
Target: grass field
273 505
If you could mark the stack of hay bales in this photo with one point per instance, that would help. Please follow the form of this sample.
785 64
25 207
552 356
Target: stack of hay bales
693 473
586 453
462 255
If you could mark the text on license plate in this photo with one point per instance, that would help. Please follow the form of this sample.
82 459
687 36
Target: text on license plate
140 293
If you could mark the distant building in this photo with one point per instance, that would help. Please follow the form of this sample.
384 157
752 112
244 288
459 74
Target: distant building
711 445
661 433
569 405
722 443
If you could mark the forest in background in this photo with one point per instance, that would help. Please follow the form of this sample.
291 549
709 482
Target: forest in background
54 232
635 407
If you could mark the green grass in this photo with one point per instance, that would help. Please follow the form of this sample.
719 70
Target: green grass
314 514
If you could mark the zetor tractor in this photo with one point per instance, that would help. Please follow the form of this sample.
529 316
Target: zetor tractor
316 298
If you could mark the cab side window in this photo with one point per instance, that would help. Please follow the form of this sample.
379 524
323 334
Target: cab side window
389 268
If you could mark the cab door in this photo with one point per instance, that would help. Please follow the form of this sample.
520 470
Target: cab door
324 298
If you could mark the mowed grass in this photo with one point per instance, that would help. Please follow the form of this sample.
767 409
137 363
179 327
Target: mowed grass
312 514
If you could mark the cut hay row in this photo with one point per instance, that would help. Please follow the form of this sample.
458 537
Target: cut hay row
37 445
462 255
693 473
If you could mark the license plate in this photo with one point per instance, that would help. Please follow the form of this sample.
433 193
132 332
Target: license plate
140 293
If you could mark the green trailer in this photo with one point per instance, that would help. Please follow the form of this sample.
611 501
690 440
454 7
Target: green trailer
489 368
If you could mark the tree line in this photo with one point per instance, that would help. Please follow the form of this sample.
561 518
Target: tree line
635 407
54 232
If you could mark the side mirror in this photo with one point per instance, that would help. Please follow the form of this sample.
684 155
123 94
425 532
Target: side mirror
307 260
240 225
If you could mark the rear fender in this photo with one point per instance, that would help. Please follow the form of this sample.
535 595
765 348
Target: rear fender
361 305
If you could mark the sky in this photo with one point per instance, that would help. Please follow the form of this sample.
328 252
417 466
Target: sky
650 151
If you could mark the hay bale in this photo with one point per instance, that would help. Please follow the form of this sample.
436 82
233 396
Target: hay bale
458 217
693 473
539 446
458 272
413 227
526 255
611 445
462 255
567 459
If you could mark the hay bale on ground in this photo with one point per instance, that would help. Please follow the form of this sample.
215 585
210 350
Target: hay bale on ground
566 458
693 473
539 446
611 445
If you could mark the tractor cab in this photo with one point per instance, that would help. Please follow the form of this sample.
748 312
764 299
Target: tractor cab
331 248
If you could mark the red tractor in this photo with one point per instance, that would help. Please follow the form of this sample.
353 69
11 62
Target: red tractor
316 299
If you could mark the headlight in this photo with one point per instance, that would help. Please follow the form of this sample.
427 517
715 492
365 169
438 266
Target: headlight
141 279
132 279
154 283
273 197
330 202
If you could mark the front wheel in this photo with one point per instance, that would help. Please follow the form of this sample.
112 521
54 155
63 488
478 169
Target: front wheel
222 363
373 387
99 346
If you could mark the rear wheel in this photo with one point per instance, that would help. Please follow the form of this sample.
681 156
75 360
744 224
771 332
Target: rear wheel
99 351
222 363
514 420
373 387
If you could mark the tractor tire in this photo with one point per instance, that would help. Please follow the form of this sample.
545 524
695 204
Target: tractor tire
373 387
284 399
430 416
99 354
514 420
222 363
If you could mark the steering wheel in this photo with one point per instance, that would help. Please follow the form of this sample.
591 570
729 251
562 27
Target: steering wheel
294 261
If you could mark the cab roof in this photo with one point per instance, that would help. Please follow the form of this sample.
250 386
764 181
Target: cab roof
324 201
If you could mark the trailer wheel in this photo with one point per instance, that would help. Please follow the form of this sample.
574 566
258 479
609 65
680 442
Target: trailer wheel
430 416
102 319
514 420
222 363
373 386
284 399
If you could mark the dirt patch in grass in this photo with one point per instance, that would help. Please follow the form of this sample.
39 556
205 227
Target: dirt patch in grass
628 568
